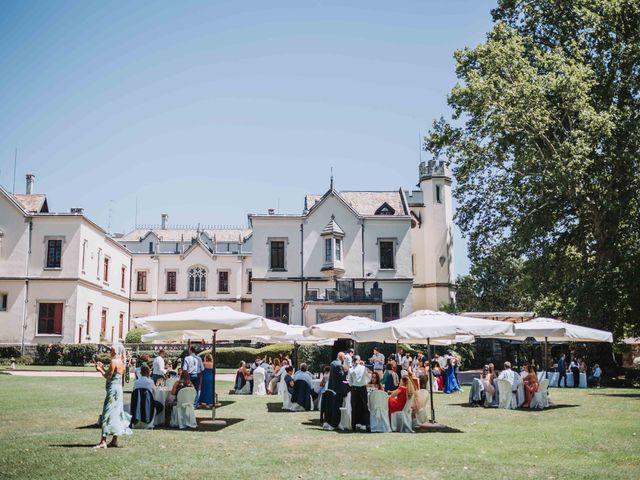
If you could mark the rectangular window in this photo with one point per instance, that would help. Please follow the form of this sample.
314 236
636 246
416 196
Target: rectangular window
387 259
120 325
54 253
98 268
277 311
438 193
105 274
171 281
3 302
223 282
338 249
123 276
390 311
150 247
249 281
103 323
89 319
141 283
50 318
328 254
277 254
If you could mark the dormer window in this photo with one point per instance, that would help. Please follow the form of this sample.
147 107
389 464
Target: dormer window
385 209
332 235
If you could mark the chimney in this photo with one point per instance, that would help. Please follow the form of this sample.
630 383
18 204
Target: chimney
163 223
271 211
30 179
77 210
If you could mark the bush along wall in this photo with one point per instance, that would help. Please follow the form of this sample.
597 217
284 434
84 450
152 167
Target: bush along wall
230 357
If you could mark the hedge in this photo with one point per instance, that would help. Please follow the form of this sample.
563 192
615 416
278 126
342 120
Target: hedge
78 354
135 335
230 357
9 352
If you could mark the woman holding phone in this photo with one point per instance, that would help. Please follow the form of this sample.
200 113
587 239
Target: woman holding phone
115 421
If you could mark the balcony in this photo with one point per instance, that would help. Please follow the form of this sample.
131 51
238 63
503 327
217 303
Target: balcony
345 291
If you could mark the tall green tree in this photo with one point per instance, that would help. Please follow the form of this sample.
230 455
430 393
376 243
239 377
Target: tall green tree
545 142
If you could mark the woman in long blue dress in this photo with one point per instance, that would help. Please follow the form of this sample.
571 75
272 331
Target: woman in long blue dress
206 395
115 421
450 382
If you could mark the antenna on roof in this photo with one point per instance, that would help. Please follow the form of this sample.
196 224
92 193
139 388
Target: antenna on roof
331 178
15 163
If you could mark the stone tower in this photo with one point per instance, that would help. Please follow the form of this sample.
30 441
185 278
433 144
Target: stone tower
432 237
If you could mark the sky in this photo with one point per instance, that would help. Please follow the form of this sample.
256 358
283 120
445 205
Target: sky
208 111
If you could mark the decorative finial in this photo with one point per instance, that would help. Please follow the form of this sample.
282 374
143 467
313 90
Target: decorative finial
331 178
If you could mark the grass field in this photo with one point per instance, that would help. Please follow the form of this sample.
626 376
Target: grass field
47 427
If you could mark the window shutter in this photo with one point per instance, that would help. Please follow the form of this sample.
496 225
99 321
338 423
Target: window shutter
57 318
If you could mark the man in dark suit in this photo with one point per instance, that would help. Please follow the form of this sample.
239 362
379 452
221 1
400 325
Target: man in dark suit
338 376
562 370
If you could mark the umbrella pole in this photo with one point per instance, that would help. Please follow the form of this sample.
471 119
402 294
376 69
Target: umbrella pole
546 370
433 412
213 383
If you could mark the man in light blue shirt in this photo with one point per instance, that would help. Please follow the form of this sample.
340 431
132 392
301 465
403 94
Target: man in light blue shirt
193 365
303 374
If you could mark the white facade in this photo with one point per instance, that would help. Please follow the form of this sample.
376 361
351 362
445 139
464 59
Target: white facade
165 260
56 269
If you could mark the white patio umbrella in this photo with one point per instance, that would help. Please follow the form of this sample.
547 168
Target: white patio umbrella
341 328
423 326
210 319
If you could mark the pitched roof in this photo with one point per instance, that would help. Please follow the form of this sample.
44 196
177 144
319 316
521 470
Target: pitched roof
35 203
332 228
366 203
186 234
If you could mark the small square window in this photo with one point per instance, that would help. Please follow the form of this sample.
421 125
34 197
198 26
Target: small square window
50 318
3 302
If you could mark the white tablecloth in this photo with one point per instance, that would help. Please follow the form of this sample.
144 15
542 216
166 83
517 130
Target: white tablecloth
162 395
554 376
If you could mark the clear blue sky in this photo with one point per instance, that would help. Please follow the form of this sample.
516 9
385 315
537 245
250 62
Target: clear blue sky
210 110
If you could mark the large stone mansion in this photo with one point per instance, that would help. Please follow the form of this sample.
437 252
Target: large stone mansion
381 254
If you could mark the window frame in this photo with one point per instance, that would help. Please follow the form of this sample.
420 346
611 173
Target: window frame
249 280
272 304
88 320
39 304
167 283
4 301
202 279
104 320
106 263
285 242
53 238
389 317
438 193
146 277
85 243
123 277
393 242
228 273
120 325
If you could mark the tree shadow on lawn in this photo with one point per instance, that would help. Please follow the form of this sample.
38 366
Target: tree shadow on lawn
620 395
202 427
554 406
276 407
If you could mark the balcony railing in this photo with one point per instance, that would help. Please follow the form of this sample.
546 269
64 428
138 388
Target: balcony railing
345 291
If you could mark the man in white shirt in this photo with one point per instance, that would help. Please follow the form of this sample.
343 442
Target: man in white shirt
348 358
406 361
508 374
358 379
144 381
377 360
159 369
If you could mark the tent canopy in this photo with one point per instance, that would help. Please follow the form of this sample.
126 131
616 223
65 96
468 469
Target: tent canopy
427 325
294 334
341 328
553 330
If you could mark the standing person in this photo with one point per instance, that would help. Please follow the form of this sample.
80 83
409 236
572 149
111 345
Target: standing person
377 360
450 382
159 367
406 362
337 379
115 421
575 370
207 382
596 373
390 378
562 371
193 366
358 378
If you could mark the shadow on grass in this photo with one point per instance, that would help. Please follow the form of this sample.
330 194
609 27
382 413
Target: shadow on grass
203 426
554 406
74 445
619 395
276 407
428 428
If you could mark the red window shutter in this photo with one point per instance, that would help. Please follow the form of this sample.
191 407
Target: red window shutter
57 319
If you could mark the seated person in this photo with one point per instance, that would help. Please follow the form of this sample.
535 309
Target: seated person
374 383
184 381
288 378
390 378
398 398
303 374
144 381
242 377
487 381
324 381
596 374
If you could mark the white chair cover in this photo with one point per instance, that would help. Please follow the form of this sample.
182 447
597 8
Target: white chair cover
401 421
379 411
422 412
170 382
183 414
540 398
504 387
286 397
345 413
259 387
435 383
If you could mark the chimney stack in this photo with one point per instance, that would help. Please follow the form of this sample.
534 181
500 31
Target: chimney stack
163 223
271 211
77 210
30 180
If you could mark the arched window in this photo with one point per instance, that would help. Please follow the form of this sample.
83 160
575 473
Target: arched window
197 279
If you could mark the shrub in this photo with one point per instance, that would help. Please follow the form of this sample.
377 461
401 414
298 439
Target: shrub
25 360
135 335
9 352
54 355
230 357
315 356
79 354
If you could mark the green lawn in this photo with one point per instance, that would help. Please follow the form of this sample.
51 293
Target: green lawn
47 426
